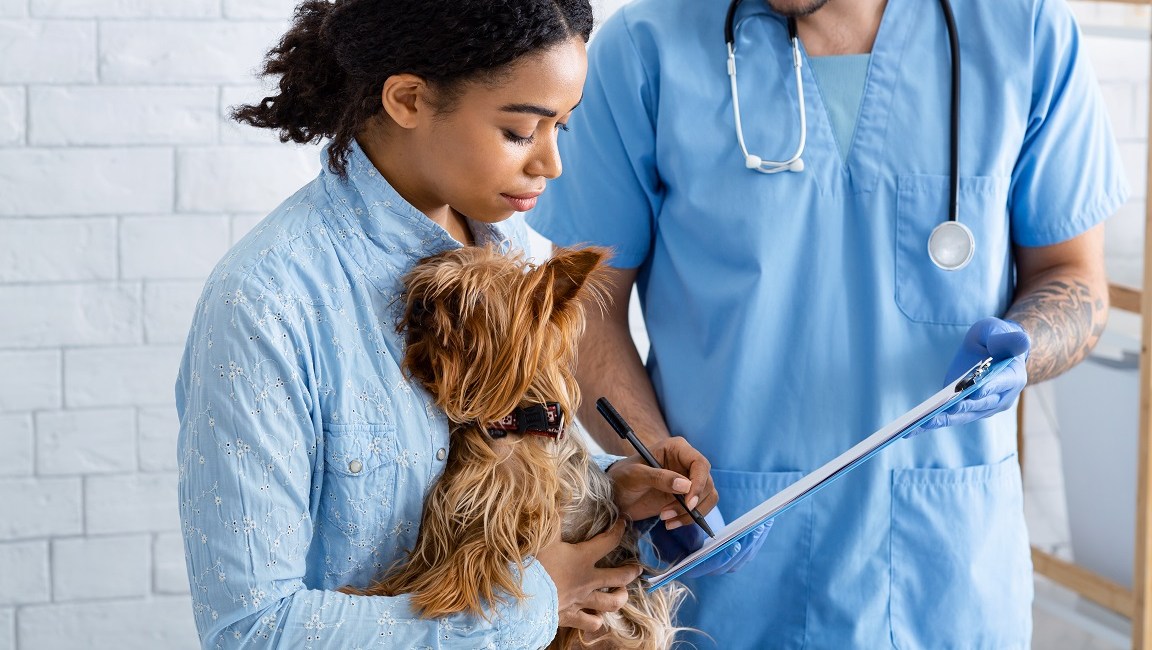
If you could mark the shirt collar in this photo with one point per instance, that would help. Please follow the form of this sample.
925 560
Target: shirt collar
370 203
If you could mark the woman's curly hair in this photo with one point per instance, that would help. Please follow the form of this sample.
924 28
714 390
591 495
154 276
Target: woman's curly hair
333 61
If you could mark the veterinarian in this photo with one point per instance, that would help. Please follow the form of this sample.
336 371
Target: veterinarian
304 452
829 207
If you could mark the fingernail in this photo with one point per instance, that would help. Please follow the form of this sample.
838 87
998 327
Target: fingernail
668 514
673 525
692 501
681 485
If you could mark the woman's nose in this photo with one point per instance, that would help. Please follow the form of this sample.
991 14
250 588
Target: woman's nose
546 159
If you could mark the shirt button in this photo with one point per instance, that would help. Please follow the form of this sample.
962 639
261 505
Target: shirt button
355 466
441 453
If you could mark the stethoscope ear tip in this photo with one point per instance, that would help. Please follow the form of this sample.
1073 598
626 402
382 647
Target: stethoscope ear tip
796 165
752 162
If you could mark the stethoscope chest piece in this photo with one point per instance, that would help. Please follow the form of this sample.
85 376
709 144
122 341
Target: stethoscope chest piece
951 245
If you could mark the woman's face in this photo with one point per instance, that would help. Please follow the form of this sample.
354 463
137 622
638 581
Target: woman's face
494 151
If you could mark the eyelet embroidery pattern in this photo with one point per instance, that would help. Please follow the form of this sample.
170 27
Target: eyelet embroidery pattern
304 452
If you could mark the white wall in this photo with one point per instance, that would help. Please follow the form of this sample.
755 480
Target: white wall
121 184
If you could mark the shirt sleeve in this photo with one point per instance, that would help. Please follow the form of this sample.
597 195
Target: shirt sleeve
604 461
249 468
1069 175
610 190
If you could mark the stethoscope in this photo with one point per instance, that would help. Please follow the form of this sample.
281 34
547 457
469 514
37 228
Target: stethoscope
951 244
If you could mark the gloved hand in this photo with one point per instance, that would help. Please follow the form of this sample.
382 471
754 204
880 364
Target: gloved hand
676 544
990 337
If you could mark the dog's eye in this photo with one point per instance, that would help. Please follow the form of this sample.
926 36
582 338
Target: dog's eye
421 311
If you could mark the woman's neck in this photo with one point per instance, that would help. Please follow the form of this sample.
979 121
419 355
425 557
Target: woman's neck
403 176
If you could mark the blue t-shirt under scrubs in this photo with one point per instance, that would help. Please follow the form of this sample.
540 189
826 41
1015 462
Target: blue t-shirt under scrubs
793 314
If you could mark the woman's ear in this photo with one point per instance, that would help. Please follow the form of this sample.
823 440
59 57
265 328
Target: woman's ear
404 98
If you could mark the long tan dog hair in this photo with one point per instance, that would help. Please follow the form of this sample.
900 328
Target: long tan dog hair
487 333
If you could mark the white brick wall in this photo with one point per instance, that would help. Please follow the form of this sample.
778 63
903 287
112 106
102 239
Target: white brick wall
12 117
121 183
87 568
7 628
74 115
125 9
125 624
58 250
99 181
34 508
24 566
30 380
85 441
16 445
42 51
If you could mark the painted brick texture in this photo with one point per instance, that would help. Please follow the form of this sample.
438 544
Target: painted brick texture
122 183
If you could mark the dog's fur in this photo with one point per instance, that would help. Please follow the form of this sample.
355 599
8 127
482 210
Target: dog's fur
487 333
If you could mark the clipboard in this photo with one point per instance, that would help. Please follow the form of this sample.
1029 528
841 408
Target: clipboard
833 469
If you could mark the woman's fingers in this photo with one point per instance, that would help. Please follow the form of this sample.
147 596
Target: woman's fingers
612 578
579 619
606 601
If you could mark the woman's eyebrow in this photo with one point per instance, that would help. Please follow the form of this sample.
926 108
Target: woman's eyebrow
529 108
534 109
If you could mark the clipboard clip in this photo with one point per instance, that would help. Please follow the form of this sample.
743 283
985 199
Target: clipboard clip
972 376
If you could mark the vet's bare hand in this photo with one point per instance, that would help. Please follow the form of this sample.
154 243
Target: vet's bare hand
580 584
642 491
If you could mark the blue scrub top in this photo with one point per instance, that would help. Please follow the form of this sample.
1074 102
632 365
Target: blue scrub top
791 315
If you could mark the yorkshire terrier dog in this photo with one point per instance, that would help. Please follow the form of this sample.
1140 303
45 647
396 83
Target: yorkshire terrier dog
493 338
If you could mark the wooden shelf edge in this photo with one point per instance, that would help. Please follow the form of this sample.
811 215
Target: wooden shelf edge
1098 589
1124 297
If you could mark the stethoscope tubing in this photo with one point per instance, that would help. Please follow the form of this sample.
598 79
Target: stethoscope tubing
951 244
954 117
954 125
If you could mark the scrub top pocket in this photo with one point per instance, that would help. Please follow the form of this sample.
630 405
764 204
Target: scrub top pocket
961 568
359 487
782 562
928 294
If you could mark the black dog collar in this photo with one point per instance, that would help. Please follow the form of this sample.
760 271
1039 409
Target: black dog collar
539 420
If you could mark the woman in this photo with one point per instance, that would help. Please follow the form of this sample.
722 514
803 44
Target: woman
304 451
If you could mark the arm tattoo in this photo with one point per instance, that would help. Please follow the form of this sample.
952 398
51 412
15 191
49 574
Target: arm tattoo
1064 318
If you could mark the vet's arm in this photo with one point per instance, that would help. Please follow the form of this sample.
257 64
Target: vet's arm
610 366
1061 301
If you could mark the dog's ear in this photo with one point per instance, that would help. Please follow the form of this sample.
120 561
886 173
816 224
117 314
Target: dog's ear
573 271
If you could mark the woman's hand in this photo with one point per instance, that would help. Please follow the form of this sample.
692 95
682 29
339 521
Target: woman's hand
581 585
641 491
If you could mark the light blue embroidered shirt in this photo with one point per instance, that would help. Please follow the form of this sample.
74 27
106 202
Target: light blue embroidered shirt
304 453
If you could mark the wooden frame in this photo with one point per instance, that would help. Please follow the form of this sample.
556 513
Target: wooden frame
1133 603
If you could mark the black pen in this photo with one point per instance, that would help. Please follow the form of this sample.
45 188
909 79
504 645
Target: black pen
626 432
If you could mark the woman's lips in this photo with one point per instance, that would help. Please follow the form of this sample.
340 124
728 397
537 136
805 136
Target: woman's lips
522 202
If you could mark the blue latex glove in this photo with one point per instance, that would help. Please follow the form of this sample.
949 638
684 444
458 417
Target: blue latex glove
674 545
990 337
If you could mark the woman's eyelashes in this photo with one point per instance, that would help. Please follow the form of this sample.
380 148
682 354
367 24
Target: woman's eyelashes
516 138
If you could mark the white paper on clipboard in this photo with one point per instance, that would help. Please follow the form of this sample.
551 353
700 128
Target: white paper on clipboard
834 469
